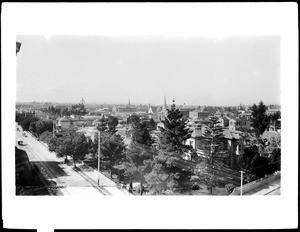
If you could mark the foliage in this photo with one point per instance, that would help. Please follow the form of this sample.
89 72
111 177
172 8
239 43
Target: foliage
46 136
164 175
206 174
138 161
24 119
108 124
42 126
112 123
112 151
112 148
275 160
175 131
52 110
78 109
141 129
70 144
260 166
229 188
259 119
213 144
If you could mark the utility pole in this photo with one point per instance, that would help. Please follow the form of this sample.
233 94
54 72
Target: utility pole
98 156
241 182
53 128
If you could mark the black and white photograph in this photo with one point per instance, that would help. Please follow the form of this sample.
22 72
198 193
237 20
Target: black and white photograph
132 119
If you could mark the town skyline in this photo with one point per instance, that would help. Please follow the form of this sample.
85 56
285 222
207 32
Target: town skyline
194 71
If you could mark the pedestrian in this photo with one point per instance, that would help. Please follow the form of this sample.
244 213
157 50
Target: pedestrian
130 188
141 188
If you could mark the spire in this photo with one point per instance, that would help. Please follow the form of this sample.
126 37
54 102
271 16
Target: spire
129 101
165 103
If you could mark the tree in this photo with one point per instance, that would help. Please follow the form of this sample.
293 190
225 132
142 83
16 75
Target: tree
275 160
70 144
138 161
46 136
112 151
78 109
32 126
102 126
175 131
112 123
141 129
260 166
213 141
42 126
214 148
65 112
259 118
164 175
140 152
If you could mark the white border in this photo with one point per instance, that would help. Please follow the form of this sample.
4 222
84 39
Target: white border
175 19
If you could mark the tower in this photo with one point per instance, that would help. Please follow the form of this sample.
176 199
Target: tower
82 101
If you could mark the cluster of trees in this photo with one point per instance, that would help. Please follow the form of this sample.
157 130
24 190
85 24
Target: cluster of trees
33 124
260 120
77 109
151 156
70 144
261 164
112 147
262 156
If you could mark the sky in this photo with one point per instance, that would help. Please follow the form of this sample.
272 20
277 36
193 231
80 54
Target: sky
192 70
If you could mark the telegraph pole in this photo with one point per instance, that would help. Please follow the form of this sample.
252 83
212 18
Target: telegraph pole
98 156
241 182
53 128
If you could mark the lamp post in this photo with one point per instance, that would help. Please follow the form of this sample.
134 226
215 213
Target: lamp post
241 182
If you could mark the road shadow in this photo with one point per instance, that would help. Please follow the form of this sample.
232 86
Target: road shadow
31 178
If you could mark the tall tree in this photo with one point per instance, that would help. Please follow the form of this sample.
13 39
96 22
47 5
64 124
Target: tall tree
112 123
141 129
164 175
140 151
138 161
214 147
175 131
112 151
259 118
70 144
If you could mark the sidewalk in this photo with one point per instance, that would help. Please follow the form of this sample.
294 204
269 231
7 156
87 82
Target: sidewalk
106 185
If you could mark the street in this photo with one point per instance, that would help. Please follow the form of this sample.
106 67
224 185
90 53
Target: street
63 177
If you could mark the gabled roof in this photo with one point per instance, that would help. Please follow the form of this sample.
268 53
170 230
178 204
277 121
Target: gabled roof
230 134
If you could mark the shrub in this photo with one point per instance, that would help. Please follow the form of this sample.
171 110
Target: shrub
195 186
229 188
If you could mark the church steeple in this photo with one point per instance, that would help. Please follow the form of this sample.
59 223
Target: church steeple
129 101
165 104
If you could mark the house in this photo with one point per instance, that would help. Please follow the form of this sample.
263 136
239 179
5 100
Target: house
198 115
223 121
195 139
235 146
185 113
240 123
89 132
245 115
73 122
